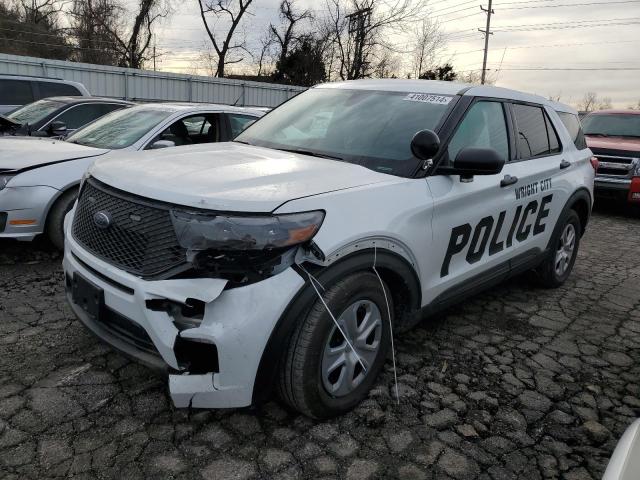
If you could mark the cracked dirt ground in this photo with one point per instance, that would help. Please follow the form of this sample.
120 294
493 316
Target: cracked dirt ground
519 382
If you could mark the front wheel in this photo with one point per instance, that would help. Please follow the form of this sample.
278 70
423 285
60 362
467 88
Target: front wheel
326 370
555 269
55 220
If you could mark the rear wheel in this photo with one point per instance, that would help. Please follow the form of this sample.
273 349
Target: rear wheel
557 267
326 370
55 220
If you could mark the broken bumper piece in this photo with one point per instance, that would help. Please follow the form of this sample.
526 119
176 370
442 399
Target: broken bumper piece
213 358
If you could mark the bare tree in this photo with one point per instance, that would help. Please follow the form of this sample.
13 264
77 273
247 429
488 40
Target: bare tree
266 43
96 43
360 28
605 103
31 27
131 40
429 42
232 11
387 65
290 18
589 102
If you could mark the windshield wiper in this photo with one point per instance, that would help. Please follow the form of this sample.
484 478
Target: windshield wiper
302 151
597 134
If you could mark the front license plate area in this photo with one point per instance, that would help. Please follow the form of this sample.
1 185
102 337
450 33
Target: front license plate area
87 296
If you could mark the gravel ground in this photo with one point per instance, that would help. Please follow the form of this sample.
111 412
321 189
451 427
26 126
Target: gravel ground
519 382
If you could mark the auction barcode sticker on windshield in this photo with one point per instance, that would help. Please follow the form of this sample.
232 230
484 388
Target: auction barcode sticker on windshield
428 98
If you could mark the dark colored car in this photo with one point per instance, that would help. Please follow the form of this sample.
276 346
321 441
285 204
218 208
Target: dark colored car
57 116
614 138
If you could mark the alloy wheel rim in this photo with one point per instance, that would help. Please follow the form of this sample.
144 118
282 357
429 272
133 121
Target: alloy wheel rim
341 369
565 251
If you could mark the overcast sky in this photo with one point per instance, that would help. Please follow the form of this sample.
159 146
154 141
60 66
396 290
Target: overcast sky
603 53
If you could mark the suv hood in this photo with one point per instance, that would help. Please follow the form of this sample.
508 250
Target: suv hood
230 176
23 153
630 144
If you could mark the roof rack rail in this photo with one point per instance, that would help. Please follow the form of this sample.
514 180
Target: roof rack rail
32 76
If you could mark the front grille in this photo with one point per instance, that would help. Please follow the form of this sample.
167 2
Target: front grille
139 239
615 166
3 221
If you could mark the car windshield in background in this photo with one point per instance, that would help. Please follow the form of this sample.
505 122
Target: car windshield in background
370 128
612 125
120 129
34 112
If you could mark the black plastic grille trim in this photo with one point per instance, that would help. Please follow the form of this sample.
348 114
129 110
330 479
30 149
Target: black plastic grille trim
3 221
140 240
126 330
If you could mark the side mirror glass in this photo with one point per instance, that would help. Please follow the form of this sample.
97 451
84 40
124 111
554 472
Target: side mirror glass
425 144
477 161
162 144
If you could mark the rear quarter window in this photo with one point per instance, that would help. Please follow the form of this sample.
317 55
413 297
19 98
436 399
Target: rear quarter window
574 127
15 92
53 89
536 136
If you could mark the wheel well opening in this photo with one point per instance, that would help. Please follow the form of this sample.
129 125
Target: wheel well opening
404 306
582 209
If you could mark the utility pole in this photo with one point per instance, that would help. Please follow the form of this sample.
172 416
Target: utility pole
154 55
486 32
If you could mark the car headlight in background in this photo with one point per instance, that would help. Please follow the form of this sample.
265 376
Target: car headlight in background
4 179
243 248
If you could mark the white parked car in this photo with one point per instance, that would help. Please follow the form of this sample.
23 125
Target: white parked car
285 258
39 178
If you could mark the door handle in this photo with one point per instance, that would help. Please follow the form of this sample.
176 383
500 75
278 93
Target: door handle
508 180
564 164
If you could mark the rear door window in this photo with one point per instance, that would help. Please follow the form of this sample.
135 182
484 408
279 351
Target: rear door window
15 92
80 115
53 89
574 127
536 136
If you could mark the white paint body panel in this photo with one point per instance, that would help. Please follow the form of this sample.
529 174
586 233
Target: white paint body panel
625 461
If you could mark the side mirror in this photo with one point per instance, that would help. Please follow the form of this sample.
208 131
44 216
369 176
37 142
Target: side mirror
161 144
58 129
472 161
425 144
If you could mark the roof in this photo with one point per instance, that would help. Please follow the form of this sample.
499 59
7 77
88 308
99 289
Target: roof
80 99
445 88
197 107
616 112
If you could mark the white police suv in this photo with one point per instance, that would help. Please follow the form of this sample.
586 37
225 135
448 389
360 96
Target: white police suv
284 259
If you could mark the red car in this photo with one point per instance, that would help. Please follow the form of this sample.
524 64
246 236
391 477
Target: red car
614 138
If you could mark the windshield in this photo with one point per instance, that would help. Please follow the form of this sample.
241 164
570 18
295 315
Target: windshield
612 125
34 112
121 128
370 128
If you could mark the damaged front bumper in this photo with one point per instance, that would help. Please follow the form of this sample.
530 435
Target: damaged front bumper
212 361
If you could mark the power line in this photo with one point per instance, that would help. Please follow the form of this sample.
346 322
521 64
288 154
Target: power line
569 5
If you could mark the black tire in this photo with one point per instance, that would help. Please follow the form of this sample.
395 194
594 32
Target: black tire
548 276
300 384
55 220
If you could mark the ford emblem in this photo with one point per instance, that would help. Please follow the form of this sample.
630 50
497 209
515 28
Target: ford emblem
102 219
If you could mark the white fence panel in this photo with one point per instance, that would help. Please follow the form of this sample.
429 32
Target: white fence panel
146 85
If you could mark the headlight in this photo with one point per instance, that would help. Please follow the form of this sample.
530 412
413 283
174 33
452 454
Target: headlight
243 248
4 179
